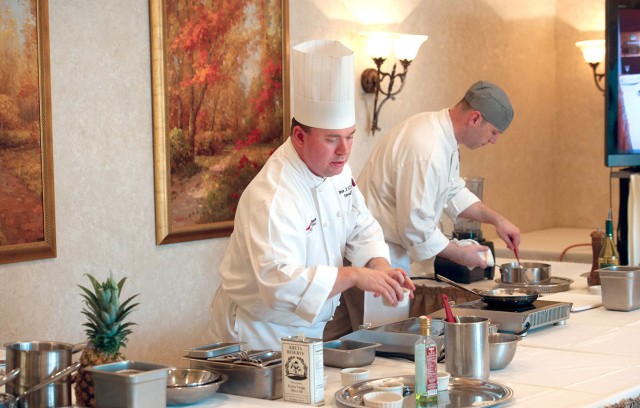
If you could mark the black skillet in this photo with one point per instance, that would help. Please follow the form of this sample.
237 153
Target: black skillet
502 298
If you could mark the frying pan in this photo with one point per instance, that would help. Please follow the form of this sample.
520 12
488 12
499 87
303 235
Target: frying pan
502 298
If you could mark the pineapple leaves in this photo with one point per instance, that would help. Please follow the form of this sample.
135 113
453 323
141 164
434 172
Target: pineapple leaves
105 326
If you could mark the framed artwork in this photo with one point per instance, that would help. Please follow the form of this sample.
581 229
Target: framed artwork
220 88
27 211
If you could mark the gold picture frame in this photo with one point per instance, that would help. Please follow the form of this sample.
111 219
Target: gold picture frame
27 225
220 90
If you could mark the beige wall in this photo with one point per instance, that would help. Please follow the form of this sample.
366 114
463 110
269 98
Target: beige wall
545 171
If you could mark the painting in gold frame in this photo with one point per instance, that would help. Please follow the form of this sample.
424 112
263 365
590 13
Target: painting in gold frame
27 211
220 89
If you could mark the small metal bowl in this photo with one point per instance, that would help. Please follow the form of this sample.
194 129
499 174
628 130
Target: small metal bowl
502 348
530 273
191 385
348 353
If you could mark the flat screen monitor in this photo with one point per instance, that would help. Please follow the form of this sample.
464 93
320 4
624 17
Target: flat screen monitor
622 84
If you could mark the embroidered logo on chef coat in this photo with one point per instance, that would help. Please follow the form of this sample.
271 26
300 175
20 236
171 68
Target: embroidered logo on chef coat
311 225
346 192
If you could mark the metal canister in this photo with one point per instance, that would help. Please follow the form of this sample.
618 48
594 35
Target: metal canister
302 370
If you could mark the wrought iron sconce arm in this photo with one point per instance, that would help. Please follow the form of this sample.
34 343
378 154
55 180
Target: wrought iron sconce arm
371 81
597 78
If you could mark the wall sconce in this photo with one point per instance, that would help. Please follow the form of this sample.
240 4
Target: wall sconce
593 52
379 46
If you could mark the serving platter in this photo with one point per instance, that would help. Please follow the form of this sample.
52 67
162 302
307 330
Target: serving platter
462 392
556 284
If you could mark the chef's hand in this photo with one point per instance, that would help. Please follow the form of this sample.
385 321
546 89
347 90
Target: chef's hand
509 233
470 256
379 278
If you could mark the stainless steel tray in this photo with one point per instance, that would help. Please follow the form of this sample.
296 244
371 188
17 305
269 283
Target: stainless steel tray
213 349
556 284
462 392
244 379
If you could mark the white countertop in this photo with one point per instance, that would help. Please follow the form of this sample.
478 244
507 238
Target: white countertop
591 361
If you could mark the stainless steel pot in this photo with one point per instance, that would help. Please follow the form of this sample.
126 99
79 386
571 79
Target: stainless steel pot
10 401
38 360
530 273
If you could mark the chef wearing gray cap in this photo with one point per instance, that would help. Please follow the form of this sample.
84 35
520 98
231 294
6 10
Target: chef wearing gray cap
413 176
301 216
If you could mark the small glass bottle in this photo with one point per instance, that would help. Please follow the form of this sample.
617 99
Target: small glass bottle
426 366
608 254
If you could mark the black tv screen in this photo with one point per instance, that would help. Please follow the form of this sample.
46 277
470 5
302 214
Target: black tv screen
622 89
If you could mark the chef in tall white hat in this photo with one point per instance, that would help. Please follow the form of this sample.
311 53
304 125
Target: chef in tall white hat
301 216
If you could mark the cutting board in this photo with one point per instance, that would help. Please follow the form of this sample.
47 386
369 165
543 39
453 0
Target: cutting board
581 301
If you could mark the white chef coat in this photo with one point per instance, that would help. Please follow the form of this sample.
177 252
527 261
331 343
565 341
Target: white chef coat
291 232
411 177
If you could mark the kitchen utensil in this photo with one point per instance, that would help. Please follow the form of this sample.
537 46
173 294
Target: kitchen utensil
349 376
501 298
447 308
13 374
130 384
462 392
186 386
620 287
443 380
348 353
382 399
38 360
502 348
387 385
533 273
515 252
9 401
467 347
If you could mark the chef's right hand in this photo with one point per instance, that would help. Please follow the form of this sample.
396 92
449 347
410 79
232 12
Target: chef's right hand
387 283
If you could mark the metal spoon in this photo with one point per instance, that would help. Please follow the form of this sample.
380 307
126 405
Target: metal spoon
13 374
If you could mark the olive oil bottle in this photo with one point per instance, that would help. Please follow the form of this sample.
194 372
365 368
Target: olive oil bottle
608 254
426 366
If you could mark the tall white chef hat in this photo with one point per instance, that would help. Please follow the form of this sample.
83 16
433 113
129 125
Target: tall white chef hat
323 82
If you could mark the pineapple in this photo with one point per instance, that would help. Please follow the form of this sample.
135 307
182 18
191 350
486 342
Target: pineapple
106 332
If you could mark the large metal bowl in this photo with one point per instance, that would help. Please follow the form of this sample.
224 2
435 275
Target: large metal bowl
348 353
188 385
530 273
502 348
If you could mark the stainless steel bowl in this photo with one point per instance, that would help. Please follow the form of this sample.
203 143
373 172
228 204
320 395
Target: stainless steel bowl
531 273
187 386
348 353
502 348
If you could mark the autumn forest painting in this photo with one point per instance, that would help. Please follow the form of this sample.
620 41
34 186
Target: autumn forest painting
224 103
21 189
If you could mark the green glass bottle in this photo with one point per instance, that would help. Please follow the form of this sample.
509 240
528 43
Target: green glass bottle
426 366
608 254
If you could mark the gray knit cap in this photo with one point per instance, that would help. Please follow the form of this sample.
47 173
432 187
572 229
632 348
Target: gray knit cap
492 103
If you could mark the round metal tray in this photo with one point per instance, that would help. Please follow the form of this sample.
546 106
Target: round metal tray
462 392
556 284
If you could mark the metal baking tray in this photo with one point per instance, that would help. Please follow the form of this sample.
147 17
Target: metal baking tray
348 353
213 349
462 392
249 380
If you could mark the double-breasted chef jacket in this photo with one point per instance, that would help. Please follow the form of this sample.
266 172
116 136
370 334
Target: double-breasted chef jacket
292 231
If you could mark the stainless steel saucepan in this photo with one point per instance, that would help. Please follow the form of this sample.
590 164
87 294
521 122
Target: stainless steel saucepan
503 298
11 401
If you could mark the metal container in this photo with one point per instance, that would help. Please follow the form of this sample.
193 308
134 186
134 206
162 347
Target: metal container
530 273
467 347
349 353
191 385
246 380
303 370
620 287
502 348
37 361
130 384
